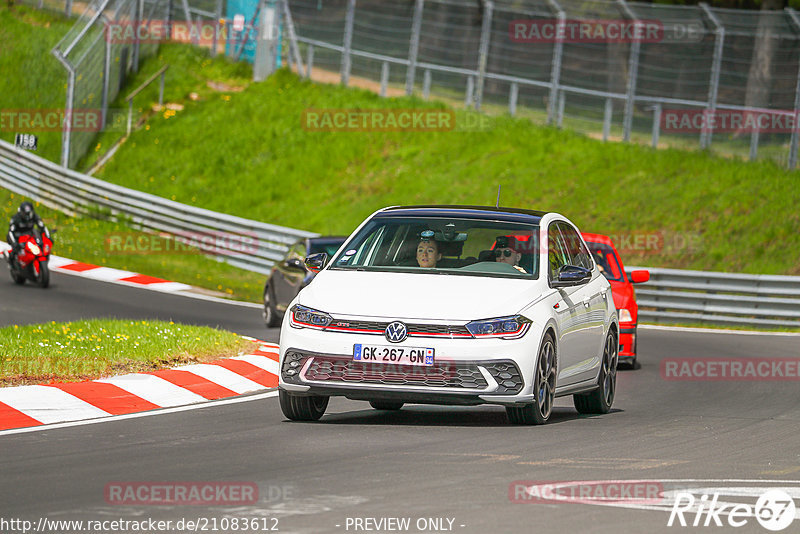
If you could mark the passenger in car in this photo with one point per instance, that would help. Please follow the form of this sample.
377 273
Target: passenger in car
506 251
428 252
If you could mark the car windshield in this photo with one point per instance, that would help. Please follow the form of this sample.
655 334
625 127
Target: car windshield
444 246
606 261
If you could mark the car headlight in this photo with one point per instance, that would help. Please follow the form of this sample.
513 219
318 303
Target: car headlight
303 317
512 327
625 316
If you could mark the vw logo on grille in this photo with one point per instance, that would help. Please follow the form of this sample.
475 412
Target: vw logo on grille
396 332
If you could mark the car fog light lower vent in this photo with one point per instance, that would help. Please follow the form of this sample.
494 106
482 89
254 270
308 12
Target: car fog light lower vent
507 376
292 363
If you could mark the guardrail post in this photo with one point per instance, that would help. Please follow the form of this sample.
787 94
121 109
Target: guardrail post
413 47
656 124
426 84
633 73
130 113
160 89
470 91
217 18
607 114
561 103
106 75
792 163
384 77
309 60
513 94
348 41
136 44
68 8
555 71
483 54
294 48
716 66
66 134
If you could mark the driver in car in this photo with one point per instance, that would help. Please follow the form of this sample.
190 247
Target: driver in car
506 251
428 250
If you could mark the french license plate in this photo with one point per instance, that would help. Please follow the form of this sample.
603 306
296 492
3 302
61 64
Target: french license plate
392 355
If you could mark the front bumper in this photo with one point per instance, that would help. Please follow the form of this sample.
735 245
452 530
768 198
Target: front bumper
466 371
627 344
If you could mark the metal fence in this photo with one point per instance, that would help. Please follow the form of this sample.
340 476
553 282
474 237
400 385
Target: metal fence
74 193
705 64
680 296
97 66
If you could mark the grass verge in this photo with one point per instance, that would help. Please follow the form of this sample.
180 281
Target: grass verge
86 350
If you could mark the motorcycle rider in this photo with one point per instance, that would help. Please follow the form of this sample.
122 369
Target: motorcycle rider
24 222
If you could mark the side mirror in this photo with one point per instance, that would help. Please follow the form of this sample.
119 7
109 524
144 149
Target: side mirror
638 277
316 262
572 275
295 263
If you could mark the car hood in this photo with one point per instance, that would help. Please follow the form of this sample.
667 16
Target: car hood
417 296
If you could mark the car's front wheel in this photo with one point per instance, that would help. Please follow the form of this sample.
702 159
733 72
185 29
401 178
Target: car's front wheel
302 408
386 405
544 388
601 399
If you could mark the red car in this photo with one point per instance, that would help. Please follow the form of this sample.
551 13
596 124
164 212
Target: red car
609 263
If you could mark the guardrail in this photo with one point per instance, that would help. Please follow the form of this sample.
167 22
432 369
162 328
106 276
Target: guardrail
674 295
75 193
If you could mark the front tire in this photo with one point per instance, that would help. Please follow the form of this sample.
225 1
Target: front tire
600 400
302 408
544 387
386 405
271 319
43 280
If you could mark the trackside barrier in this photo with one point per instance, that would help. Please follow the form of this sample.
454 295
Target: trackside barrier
79 194
674 295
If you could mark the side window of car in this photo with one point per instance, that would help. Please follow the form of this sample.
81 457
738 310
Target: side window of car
556 251
578 253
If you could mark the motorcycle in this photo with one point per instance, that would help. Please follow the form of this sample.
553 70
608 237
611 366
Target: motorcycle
30 262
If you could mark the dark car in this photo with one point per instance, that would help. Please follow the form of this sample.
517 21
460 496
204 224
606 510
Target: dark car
290 275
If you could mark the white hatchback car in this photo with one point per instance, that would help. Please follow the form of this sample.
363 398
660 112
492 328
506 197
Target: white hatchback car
457 305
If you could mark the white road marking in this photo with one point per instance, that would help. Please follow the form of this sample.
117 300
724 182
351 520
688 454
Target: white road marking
151 413
222 376
268 364
154 389
700 330
48 404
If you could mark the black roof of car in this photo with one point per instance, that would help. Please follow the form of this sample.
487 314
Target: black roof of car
470 212
327 239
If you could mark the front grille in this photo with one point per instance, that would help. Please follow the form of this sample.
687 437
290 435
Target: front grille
414 330
452 375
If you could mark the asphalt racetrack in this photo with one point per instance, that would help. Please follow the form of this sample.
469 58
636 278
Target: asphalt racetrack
442 468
